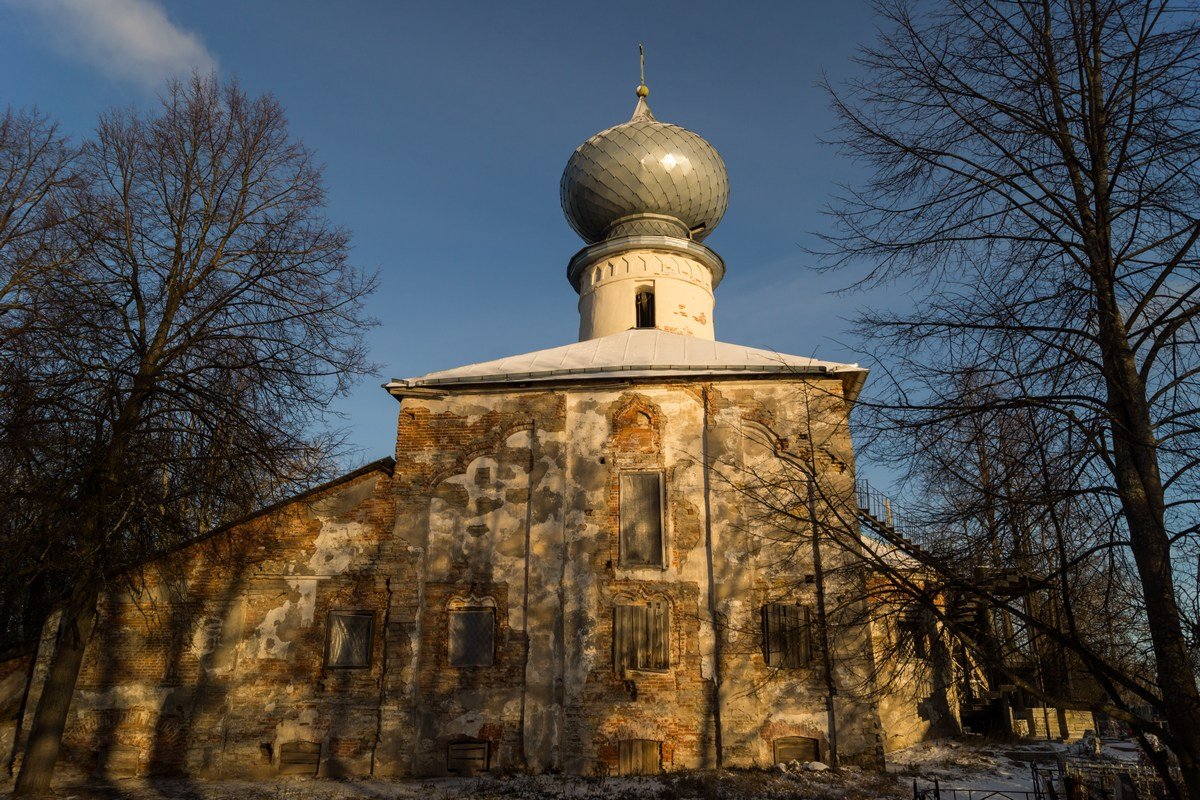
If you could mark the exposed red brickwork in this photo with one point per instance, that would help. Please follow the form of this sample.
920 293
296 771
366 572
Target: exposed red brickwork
212 659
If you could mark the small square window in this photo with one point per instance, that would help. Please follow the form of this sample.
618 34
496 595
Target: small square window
641 509
472 637
348 639
300 758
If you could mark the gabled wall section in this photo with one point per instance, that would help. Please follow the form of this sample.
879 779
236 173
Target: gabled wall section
211 660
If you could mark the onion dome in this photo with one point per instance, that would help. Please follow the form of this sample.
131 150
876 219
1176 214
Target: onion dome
644 177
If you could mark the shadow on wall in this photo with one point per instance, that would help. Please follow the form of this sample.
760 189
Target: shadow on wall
166 629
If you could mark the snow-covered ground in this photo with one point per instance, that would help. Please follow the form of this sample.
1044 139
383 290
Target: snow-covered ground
970 766
997 767
726 785
954 764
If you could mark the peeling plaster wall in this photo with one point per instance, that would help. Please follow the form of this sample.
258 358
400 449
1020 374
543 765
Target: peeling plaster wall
467 508
766 438
209 660
212 659
917 697
576 708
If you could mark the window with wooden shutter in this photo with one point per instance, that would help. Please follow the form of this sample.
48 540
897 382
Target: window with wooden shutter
468 757
641 519
787 635
639 757
348 638
641 636
472 637
796 748
299 758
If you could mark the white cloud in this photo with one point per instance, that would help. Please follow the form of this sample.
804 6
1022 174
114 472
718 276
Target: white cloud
126 39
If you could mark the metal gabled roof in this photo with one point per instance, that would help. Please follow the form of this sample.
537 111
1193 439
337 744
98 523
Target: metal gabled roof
635 353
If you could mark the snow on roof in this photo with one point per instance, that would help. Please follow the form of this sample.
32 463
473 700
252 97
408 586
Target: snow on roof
644 353
888 553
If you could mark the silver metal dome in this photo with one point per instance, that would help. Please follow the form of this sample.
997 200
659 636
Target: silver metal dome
642 176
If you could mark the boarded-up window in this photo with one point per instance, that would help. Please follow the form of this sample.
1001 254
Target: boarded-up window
639 757
119 761
299 758
348 639
641 519
787 635
472 637
468 758
641 636
796 748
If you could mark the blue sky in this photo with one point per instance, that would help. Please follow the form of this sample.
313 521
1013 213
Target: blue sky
444 128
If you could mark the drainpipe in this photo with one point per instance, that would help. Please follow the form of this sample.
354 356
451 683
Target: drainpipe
823 629
712 593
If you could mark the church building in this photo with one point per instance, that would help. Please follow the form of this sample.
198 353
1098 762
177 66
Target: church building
569 563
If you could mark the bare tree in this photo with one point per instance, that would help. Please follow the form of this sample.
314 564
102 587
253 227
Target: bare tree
37 171
182 369
1033 172
36 165
1002 585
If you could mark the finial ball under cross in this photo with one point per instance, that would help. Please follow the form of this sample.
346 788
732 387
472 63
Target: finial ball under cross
642 90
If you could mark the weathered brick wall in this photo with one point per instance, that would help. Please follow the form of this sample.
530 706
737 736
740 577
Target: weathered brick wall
651 428
464 513
213 659
917 695
766 439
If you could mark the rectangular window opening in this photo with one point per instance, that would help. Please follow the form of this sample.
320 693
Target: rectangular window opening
796 748
348 639
639 757
644 304
787 635
472 637
299 758
468 758
641 511
641 636
912 633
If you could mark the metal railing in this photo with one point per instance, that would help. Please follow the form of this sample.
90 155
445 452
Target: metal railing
877 510
1138 780
874 503
1072 774
1043 789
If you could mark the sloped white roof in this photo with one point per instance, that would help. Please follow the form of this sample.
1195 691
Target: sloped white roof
635 353
888 553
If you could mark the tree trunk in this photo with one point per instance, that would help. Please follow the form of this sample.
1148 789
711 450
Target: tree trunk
1135 456
50 718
